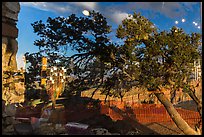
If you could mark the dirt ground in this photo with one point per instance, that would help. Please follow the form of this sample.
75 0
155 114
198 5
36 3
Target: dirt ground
124 123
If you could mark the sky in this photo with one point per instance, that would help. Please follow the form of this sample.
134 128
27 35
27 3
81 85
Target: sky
164 15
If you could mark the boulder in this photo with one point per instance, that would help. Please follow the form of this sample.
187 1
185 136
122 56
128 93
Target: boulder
100 131
23 129
60 129
115 133
9 30
10 110
10 10
9 130
8 121
133 133
46 129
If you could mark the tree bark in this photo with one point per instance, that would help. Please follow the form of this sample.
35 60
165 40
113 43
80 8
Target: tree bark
197 101
178 120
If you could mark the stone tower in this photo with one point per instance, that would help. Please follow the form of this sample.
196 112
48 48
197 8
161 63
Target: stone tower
10 85
12 89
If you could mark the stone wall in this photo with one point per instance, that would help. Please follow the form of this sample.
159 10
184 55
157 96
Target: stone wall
12 86
10 91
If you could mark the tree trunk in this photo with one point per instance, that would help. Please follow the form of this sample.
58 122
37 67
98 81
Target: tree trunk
197 101
178 120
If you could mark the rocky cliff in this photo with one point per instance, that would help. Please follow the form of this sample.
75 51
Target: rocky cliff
12 83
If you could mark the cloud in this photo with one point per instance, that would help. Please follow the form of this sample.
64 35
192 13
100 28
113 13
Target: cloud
168 9
86 5
118 16
62 7
188 5
116 12
173 10
20 62
59 7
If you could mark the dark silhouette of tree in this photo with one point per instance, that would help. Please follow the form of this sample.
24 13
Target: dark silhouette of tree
165 60
147 58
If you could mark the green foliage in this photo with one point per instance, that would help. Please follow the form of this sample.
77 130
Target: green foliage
72 31
33 70
165 58
147 58
86 35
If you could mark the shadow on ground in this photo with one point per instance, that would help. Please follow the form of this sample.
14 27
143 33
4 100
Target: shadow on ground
82 111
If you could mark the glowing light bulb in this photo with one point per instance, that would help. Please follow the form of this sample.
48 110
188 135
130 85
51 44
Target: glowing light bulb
55 68
51 70
183 20
196 24
53 81
198 27
176 22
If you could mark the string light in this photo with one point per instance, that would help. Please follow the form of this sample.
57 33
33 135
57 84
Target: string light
60 74
176 22
55 68
183 20
196 24
52 81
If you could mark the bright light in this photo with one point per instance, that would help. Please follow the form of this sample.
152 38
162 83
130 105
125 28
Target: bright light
183 20
55 68
53 81
196 24
86 12
176 22
198 27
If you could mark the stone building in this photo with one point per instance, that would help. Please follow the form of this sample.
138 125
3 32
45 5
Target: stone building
12 89
10 93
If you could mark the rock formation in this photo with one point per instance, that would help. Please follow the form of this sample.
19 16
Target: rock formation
11 82
11 93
